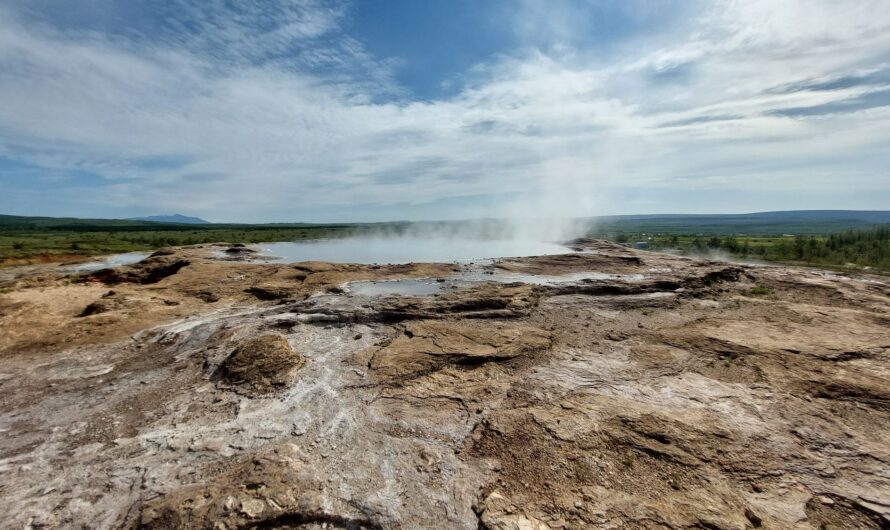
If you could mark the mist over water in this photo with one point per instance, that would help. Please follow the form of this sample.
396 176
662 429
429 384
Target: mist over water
444 241
519 230
527 227
108 262
408 249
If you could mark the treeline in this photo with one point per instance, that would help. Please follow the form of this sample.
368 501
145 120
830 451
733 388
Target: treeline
25 244
864 248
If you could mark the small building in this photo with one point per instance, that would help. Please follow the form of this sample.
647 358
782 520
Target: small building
641 245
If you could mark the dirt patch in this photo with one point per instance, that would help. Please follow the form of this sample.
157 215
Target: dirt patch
831 512
272 490
580 476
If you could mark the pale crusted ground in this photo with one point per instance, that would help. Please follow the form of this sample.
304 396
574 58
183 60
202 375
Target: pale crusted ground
666 396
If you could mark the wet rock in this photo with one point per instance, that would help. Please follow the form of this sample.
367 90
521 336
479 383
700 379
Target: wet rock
95 308
110 302
260 365
269 293
724 274
239 249
498 301
207 296
614 262
486 301
613 288
148 271
311 267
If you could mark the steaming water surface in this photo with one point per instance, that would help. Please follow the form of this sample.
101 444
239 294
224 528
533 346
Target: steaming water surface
109 262
408 250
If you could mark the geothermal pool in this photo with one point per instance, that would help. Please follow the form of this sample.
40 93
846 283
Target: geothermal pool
370 251
407 250
108 262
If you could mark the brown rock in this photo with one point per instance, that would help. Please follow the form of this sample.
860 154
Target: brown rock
148 271
427 346
260 364
269 293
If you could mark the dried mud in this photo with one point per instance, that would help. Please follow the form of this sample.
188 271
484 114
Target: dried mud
193 392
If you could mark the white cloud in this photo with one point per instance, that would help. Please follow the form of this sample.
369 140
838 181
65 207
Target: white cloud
229 122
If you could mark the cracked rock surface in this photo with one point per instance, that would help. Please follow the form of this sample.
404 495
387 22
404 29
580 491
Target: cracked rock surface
628 390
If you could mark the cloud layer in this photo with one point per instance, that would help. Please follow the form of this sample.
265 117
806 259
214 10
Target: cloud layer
273 112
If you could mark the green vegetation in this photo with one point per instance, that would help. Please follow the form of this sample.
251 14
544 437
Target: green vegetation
760 290
848 250
24 237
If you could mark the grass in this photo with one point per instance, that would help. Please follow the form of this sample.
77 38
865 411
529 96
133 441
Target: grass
760 290
46 238
24 244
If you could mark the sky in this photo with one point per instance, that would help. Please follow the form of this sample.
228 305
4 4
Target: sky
325 111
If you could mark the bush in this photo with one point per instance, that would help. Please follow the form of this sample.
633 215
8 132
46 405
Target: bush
760 290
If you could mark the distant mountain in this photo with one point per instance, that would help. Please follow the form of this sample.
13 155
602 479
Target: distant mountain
175 218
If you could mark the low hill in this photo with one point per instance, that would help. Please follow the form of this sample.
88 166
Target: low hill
174 218
798 222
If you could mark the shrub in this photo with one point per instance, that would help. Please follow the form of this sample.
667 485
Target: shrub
760 290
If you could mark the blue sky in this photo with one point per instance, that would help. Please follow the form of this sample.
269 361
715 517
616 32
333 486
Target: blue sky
314 110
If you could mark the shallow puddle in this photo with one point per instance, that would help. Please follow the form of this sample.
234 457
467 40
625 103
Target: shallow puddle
108 262
423 287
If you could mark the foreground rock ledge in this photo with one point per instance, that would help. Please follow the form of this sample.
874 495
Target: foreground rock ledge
190 392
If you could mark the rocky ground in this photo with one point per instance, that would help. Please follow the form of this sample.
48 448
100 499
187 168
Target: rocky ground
605 389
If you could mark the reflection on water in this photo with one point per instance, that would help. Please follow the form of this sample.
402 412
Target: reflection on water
108 262
407 250
396 287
